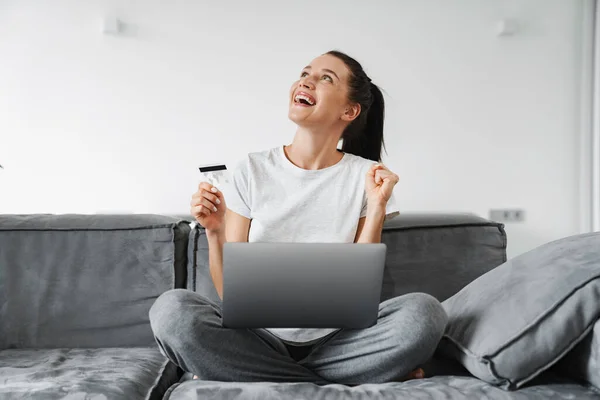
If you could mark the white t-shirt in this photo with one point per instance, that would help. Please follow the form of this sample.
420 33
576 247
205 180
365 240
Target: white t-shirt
289 204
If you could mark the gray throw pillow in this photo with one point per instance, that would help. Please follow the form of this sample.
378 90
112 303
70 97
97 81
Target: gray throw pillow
583 362
514 322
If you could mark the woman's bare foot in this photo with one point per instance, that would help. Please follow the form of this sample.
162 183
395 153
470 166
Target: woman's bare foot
195 377
416 374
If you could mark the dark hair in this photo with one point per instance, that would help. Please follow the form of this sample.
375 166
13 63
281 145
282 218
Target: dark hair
364 136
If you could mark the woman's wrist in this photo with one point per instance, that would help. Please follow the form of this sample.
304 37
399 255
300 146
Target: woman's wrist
371 231
376 206
212 234
375 213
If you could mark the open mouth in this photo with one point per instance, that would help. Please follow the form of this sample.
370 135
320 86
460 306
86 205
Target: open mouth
304 99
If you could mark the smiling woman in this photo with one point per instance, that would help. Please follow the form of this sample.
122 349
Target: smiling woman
306 191
349 93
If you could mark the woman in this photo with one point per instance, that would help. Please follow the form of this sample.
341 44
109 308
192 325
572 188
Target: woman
308 191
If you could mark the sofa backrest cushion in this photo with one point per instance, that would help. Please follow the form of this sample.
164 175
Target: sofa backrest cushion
86 280
437 254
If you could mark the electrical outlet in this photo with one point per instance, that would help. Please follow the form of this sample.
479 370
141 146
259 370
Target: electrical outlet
507 215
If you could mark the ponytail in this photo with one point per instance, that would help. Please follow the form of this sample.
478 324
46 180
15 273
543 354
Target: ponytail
364 136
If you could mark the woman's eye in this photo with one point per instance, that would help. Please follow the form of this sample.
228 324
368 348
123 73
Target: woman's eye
302 75
327 78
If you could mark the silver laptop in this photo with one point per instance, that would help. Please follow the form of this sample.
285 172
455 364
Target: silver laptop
302 285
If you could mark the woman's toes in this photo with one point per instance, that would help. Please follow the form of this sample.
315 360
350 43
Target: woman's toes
416 374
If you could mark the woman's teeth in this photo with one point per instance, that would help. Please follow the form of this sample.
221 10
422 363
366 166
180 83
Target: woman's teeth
304 100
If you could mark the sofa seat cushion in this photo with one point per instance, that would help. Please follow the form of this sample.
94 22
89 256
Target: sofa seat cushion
435 388
108 373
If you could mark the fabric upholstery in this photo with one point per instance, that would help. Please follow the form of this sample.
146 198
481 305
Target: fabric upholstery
86 280
108 373
436 388
583 362
516 321
65 303
192 253
439 254
421 248
203 281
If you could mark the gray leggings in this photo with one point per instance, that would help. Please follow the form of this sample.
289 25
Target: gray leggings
188 330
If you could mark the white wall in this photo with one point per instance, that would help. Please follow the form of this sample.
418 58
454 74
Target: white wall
92 123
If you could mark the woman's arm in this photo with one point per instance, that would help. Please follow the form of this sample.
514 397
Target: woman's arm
236 229
379 183
370 227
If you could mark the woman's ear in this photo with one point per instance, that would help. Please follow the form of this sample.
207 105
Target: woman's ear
351 113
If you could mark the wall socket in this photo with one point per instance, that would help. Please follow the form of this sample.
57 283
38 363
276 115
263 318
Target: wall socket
507 215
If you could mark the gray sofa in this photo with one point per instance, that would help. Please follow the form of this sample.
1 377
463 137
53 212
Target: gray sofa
75 291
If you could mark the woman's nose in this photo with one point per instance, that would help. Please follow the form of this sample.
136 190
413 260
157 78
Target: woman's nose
307 83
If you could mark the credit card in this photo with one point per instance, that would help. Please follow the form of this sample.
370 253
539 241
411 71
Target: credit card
215 174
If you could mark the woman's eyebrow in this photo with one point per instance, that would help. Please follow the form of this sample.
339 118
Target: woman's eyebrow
331 72
325 70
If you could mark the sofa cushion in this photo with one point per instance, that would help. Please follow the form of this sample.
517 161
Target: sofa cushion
424 247
86 280
200 269
420 248
583 362
199 278
436 388
109 373
192 254
517 320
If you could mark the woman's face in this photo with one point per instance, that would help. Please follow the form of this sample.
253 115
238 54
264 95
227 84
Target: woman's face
320 96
